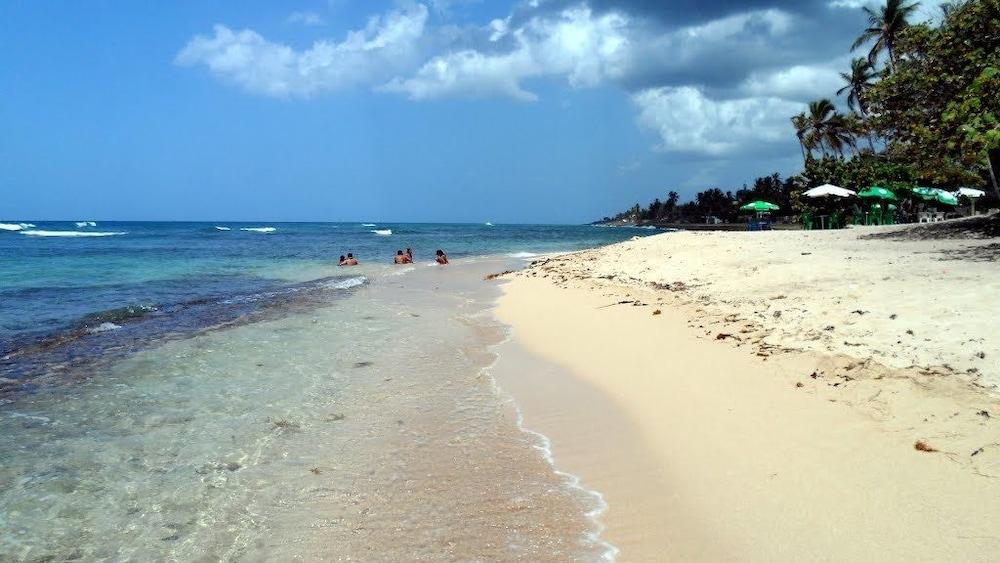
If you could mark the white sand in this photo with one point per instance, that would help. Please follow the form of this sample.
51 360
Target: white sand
730 449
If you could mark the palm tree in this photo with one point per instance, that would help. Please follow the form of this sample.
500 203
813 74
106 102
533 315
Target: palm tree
819 122
801 124
860 128
859 80
884 27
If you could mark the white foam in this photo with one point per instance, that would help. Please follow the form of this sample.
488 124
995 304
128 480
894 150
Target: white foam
10 227
383 232
523 255
103 327
544 448
218 228
346 284
35 233
86 224
367 224
259 229
488 224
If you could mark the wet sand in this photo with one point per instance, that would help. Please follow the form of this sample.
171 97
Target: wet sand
716 436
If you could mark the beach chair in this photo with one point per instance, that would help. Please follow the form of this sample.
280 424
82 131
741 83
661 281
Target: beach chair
807 221
836 220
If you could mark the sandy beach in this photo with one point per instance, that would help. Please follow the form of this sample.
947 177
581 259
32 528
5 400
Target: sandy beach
769 396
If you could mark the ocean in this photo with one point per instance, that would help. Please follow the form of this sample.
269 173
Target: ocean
225 391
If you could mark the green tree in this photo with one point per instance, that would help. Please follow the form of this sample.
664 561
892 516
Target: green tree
939 110
857 83
885 27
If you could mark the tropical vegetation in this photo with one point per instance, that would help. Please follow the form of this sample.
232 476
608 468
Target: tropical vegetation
923 109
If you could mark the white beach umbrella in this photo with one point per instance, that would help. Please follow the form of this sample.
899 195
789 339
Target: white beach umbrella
827 190
972 194
969 192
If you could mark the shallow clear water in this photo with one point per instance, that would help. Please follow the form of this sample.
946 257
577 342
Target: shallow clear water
269 405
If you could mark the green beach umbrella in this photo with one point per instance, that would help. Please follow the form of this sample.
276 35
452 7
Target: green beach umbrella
928 194
946 198
759 206
876 192
936 194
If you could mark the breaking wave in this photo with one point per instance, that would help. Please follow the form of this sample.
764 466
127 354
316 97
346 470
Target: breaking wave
35 233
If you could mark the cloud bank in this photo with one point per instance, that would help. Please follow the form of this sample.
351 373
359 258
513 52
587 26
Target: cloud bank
713 85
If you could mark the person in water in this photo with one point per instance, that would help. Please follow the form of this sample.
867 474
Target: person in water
441 257
402 258
409 253
349 261
342 261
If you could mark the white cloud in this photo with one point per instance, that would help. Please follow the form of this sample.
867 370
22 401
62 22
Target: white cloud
575 44
687 120
799 82
385 46
305 18
771 21
927 10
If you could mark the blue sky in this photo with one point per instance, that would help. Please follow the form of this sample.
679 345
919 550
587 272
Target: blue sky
531 111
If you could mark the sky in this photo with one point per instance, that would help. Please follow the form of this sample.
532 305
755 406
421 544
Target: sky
532 111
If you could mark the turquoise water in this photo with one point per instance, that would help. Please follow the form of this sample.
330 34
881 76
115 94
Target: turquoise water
76 291
180 392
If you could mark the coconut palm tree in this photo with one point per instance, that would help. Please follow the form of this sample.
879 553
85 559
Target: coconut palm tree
801 124
884 27
819 122
857 82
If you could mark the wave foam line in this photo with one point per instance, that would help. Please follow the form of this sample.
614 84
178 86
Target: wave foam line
346 284
382 232
544 447
259 229
15 226
36 233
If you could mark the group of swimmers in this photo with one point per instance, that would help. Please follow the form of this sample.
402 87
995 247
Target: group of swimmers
400 258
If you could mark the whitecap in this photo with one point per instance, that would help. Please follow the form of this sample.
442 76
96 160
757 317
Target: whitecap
222 228
10 227
367 224
383 232
86 224
259 229
35 233
103 327
488 224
